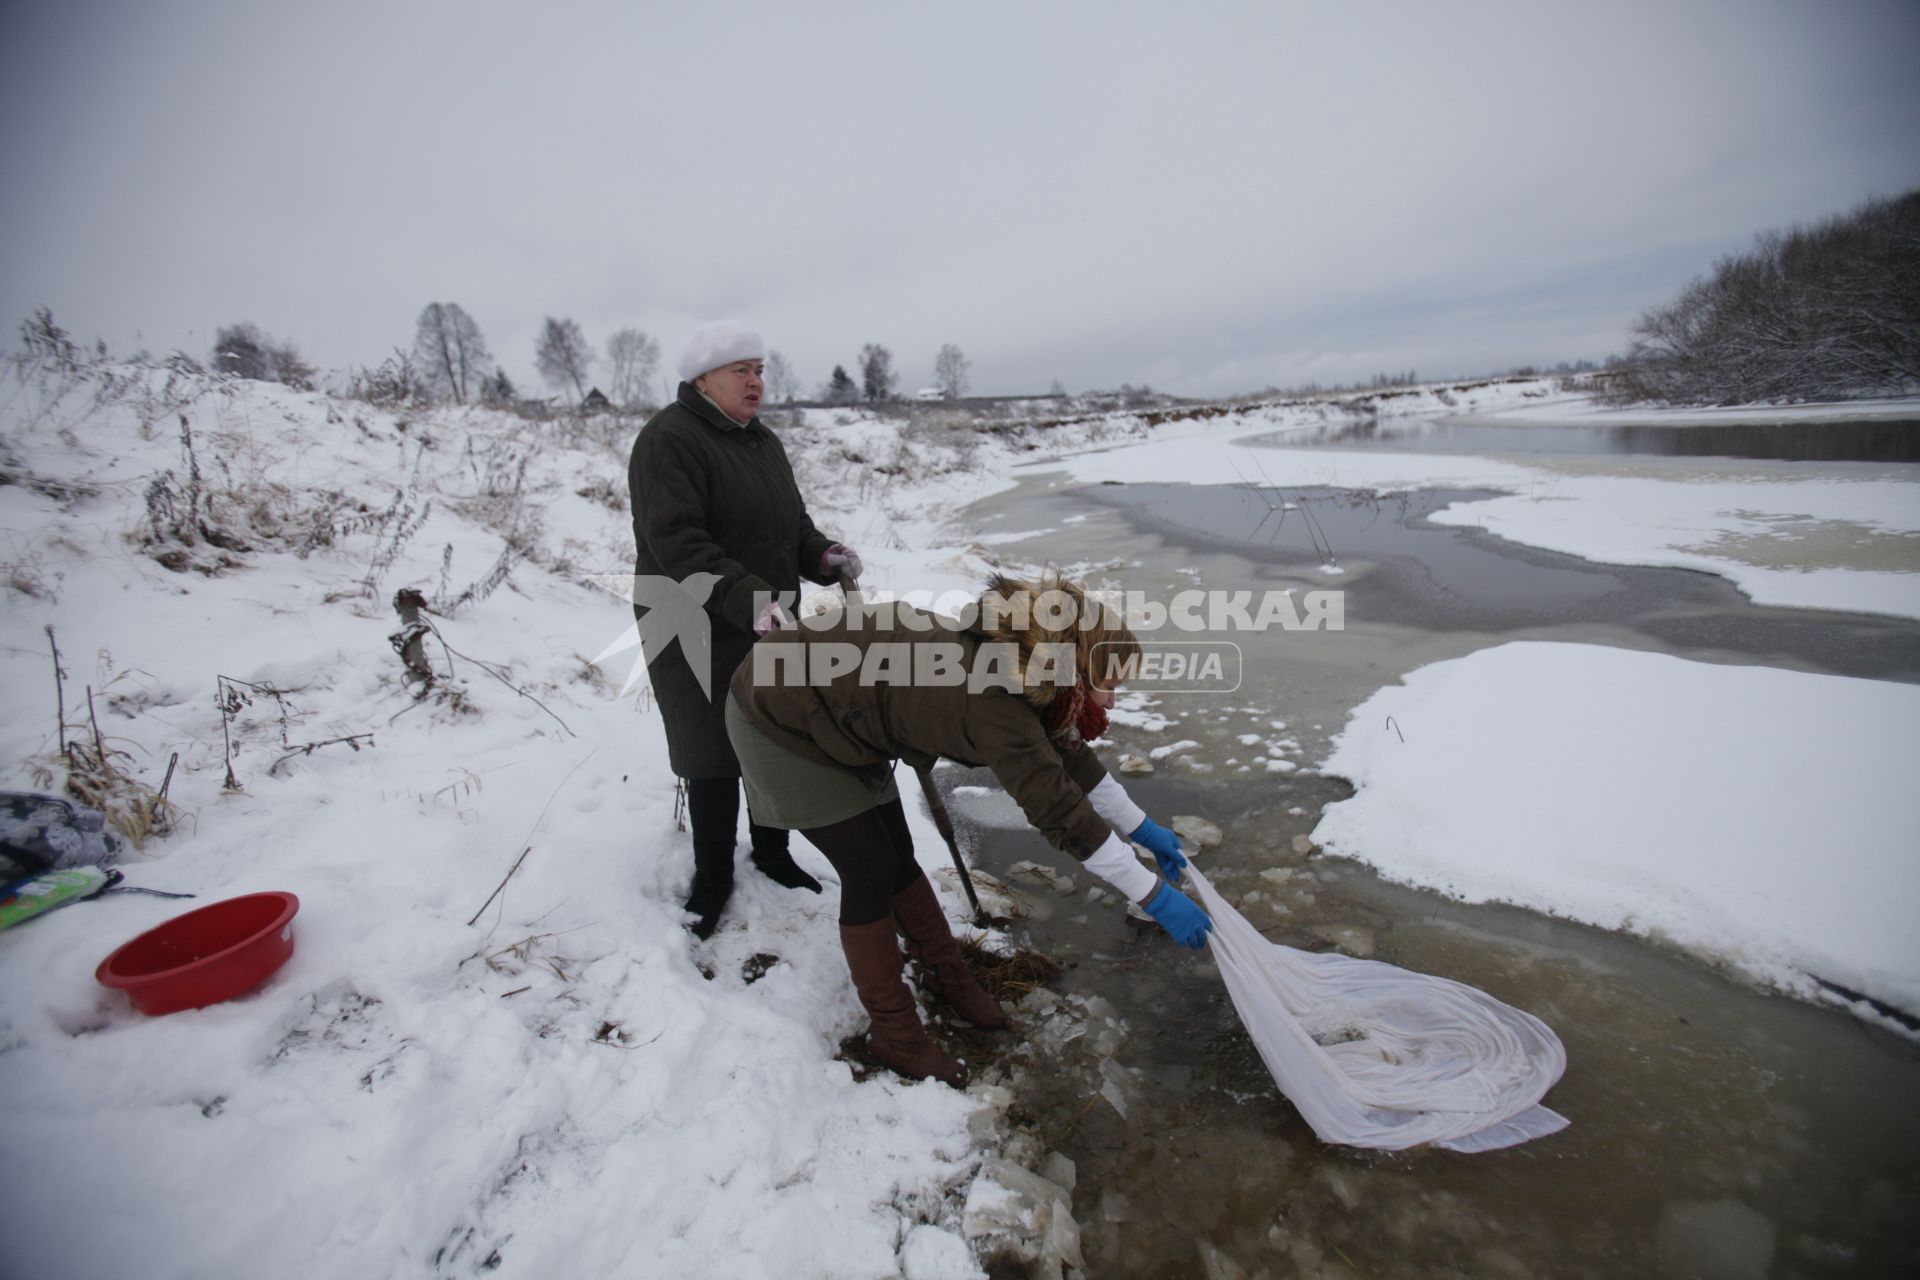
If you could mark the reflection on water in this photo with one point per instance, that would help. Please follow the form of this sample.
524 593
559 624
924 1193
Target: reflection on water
1896 441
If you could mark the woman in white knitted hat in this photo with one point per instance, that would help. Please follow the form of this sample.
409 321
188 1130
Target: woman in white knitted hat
716 509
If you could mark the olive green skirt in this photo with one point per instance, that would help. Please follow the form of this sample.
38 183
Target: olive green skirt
788 790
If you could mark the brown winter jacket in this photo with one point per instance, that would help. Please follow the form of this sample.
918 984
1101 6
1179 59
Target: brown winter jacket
864 725
711 496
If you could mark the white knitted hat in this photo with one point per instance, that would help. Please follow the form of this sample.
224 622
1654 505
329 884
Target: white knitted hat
716 343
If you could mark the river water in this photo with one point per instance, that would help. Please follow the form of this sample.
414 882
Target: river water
1716 1130
1878 440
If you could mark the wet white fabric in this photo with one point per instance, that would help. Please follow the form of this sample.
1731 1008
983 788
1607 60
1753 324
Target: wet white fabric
1373 1055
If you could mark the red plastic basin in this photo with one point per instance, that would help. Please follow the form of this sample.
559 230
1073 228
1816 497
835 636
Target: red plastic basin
210 954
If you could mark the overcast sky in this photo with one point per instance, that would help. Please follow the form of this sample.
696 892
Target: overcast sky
1207 197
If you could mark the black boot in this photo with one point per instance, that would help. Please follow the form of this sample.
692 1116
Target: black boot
713 823
771 856
712 886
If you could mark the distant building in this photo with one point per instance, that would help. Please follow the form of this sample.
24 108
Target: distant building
595 402
930 393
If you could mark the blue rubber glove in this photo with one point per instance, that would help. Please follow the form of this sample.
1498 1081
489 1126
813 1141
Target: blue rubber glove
1163 845
1176 913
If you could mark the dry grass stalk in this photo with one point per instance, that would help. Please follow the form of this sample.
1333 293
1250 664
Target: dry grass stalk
95 776
1009 975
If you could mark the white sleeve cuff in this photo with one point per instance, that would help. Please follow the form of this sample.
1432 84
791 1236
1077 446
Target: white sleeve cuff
1117 864
1111 801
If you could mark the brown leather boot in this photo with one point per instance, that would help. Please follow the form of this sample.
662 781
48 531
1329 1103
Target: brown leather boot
930 941
897 1038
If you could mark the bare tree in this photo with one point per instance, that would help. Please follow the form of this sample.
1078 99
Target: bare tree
635 358
449 351
950 371
394 381
782 385
562 355
876 372
288 368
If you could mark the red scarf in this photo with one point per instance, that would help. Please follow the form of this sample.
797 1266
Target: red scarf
1072 714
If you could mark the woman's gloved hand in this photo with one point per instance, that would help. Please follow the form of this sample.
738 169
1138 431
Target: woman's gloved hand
1163 845
772 617
1175 912
843 561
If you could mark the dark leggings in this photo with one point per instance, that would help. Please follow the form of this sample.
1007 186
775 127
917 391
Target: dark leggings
713 810
873 852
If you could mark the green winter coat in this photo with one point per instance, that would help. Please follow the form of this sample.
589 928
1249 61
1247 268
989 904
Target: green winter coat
711 496
862 724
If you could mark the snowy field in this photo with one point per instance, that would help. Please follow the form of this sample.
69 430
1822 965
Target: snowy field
562 1083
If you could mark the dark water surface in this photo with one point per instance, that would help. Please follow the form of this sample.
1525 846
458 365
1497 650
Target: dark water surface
1716 1130
1401 571
1882 441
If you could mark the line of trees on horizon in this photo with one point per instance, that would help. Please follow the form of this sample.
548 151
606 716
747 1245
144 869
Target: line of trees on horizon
449 361
878 383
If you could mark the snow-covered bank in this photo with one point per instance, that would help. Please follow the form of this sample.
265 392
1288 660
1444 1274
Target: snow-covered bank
1825 542
1563 409
1764 819
562 1086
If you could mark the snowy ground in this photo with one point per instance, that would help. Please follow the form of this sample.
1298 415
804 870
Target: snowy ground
555 1088
565 1085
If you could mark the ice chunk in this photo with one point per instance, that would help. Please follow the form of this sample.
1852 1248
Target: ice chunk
1196 831
1058 1169
1014 1213
1040 872
1354 939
